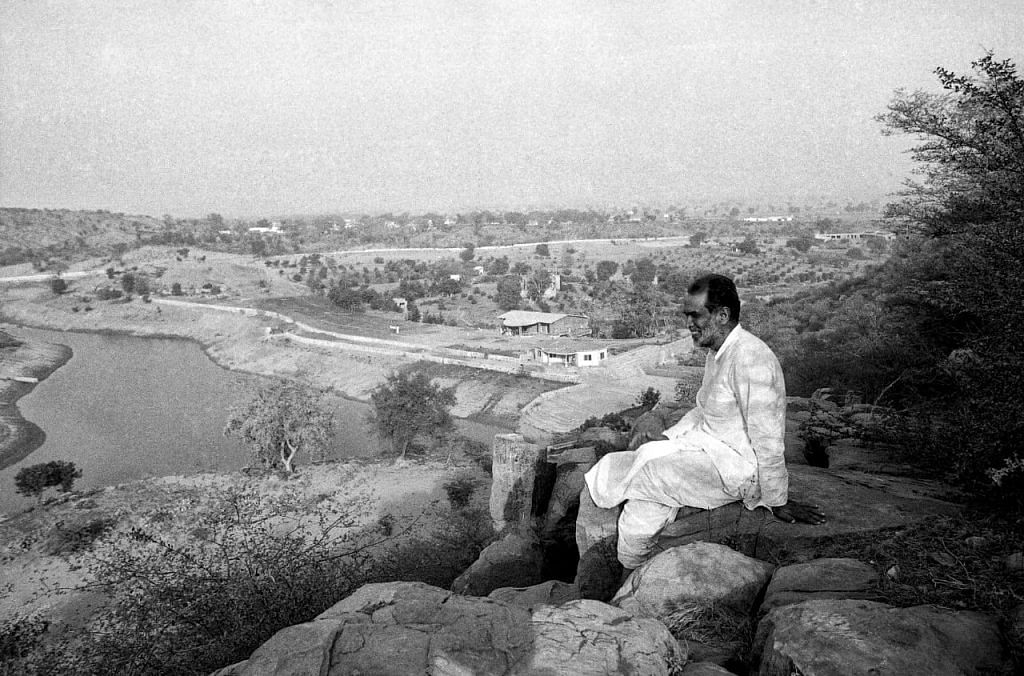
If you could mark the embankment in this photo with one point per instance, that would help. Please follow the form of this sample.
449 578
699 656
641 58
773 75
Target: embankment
33 360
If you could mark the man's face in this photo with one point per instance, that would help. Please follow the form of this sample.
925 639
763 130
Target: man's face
707 327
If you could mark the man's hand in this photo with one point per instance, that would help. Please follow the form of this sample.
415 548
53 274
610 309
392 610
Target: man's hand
799 512
648 427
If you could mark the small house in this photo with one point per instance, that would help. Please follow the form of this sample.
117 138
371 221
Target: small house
580 353
524 322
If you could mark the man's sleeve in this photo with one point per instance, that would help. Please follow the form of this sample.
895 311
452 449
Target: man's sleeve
761 391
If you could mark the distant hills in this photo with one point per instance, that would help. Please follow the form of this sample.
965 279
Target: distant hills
34 234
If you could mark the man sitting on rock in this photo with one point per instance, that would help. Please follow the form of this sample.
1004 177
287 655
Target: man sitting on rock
726 449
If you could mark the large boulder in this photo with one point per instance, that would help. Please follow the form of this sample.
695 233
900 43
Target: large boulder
839 637
412 628
516 560
550 593
700 574
821 579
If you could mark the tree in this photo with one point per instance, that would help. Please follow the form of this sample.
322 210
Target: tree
407 405
605 269
176 289
128 282
508 292
346 298
801 244
644 272
279 421
542 250
468 252
971 153
748 246
958 296
499 266
34 479
58 285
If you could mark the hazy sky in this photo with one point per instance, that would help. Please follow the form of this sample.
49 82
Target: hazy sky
261 108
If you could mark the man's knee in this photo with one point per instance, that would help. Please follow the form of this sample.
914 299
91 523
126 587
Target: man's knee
639 525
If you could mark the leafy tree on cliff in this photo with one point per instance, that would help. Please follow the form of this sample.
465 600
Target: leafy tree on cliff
407 406
968 276
281 420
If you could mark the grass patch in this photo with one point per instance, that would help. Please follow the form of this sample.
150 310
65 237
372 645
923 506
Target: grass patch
953 562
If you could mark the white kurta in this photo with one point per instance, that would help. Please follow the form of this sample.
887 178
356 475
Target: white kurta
729 447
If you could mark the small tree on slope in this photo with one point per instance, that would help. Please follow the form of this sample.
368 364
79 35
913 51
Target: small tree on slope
281 420
408 405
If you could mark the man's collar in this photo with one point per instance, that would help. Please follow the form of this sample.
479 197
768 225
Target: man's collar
729 340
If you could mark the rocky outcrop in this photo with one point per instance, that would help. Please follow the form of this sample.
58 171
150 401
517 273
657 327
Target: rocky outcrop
516 560
838 637
515 464
412 628
699 574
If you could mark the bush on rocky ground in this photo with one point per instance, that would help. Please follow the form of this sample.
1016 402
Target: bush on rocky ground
248 566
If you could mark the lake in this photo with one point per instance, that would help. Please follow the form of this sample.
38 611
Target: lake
126 408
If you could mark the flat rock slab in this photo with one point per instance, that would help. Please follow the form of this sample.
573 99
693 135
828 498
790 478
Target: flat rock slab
821 579
840 637
854 502
411 628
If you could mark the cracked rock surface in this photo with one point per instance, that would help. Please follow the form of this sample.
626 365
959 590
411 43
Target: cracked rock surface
413 628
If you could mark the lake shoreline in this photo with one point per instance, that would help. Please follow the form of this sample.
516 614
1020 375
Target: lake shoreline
32 359
204 346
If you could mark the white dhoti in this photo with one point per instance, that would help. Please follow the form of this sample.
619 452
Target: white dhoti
693 470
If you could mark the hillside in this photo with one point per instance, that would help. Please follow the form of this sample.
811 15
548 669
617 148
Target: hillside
34 234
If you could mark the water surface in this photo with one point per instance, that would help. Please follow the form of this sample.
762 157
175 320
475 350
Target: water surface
126 408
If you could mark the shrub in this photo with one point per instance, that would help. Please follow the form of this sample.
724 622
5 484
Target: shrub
648 398
252 566
34 479
460 490
58 285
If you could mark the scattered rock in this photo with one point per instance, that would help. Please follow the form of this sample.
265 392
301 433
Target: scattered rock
942 558
705 669
834 637
821 579
552 593
412 628
700 573
515 560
